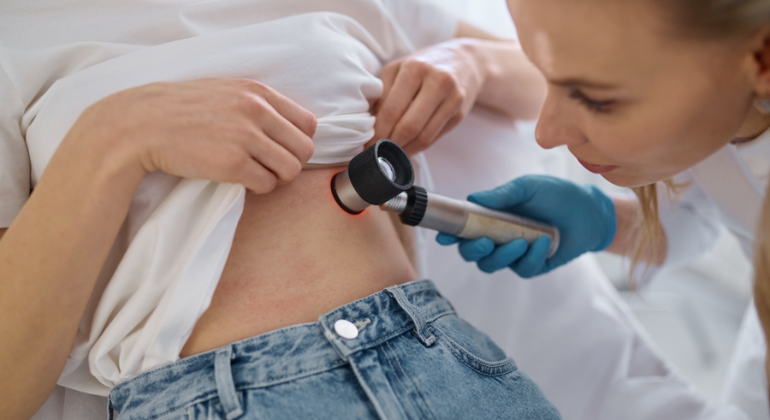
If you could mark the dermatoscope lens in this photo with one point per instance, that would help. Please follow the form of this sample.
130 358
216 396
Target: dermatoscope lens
387 168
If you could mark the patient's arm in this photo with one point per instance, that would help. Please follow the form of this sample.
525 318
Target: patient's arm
2 232
514 87
428 93
51 256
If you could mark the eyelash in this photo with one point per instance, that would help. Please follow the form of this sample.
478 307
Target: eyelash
600 107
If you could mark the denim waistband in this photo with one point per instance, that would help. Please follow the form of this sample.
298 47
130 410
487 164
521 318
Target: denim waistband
282 355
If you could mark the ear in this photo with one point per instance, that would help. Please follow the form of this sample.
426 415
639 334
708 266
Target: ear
761 62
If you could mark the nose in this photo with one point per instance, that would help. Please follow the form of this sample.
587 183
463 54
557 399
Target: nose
557 125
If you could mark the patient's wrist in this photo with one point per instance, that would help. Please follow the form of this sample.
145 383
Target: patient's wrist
482 55
95 145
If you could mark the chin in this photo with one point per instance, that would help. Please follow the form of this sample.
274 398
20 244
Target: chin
629 181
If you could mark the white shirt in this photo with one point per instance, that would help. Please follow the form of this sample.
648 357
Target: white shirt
59 57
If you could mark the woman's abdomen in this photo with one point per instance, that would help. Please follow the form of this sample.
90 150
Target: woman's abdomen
297 255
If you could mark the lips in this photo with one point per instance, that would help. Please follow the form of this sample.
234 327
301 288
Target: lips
598 169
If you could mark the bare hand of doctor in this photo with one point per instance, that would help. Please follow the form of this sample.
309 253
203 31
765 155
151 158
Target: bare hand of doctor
225 130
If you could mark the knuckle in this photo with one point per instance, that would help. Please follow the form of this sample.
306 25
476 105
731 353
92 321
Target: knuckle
240 163
416 66
410 131
243 101
457 99
311 123
445 80
264 183
425 140
307 150
387 114
391 68
293 169
255 85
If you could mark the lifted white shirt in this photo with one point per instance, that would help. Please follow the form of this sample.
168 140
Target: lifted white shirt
59 57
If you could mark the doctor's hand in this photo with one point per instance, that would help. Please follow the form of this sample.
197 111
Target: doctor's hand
428 93
225 130
585 218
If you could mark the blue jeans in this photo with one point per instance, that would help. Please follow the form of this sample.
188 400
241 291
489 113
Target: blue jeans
405 354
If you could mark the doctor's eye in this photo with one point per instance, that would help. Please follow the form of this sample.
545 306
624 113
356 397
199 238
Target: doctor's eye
601 107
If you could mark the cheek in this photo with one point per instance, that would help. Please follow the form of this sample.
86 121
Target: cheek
655 142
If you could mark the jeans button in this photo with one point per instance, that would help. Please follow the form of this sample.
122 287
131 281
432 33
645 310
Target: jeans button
346 329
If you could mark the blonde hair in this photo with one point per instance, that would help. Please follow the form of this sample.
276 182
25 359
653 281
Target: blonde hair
762 270
702 19
715 19
650 235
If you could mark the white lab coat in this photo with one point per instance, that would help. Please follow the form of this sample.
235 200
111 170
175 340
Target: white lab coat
725 191
569 330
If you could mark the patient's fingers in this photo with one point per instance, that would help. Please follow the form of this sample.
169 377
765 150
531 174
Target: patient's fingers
274 157
388 77
301 118
429 100
284 133
394 105
223 130
257 178
446 115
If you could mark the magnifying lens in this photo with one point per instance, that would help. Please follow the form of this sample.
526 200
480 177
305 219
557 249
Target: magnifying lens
383 176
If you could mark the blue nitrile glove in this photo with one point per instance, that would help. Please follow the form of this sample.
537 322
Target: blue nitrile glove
584 216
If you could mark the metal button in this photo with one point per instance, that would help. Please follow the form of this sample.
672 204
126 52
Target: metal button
346 329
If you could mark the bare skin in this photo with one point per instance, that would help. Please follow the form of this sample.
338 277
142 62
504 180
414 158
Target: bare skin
428 93
325 257
50 259
234 131
627 95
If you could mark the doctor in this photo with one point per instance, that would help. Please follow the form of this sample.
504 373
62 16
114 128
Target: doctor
670 98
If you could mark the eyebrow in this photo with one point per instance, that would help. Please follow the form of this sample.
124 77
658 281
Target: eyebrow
577 82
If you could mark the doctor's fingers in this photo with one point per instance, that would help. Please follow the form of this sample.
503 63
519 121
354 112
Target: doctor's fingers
475 249
446 239
503 256
533 262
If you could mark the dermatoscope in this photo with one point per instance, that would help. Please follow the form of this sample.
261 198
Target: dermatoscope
383 176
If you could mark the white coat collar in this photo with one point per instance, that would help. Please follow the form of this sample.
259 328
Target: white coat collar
726 178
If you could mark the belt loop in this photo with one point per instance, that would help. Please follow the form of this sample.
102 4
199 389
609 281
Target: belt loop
420 322
110 409
223 374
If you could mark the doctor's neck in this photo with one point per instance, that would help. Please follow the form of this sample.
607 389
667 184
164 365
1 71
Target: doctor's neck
755 124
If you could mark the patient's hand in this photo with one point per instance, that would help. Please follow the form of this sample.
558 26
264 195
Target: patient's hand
225 130
428 93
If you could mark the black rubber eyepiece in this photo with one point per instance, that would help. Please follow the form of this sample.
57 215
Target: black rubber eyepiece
416 205
368 179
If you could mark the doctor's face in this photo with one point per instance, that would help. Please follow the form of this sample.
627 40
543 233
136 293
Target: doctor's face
629 98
